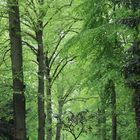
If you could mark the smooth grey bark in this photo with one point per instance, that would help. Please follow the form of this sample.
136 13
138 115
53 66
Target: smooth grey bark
17 70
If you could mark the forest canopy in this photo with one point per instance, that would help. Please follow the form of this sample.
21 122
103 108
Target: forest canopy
69 70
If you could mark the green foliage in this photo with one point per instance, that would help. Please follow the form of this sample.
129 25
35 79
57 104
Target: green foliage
95 34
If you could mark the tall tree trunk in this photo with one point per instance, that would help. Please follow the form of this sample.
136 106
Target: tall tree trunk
49 102
41 73
40 58
17 70
113 103
59 121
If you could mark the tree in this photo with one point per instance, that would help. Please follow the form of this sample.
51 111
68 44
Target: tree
17 70
41 73
131 68
46 57
102 42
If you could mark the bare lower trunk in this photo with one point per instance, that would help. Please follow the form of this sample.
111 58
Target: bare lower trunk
41 66
17 71
41 73
49 102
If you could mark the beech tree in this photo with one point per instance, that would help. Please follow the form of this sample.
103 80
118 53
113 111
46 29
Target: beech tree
17 70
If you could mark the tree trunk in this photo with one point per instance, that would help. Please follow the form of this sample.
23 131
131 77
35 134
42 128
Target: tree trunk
41 73
114 118
17 70
40 58
59 123
49 102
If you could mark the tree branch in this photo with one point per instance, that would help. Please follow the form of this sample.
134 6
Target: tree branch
31 35
55 13
56 69
51 59
30 46
4 55
70 90
56 74
26 24
54 58
56 47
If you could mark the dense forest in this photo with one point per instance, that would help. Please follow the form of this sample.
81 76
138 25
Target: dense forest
69 70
